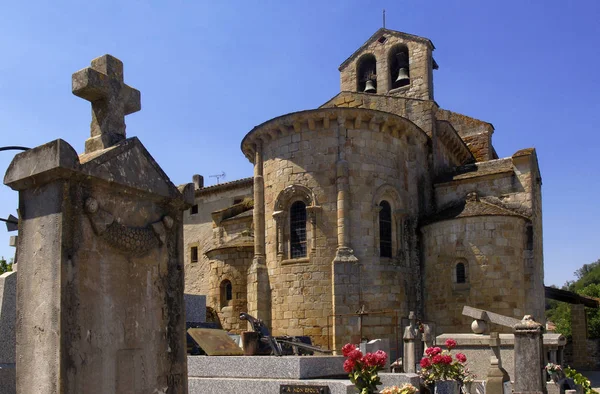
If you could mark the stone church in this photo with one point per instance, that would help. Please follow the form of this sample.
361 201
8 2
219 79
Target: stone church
377 203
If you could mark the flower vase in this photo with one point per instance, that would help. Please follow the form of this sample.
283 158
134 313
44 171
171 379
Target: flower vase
446 387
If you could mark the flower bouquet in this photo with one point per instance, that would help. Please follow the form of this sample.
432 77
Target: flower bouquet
363 370
439 365
406 388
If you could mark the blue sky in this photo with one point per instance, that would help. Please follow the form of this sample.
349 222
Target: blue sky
210 71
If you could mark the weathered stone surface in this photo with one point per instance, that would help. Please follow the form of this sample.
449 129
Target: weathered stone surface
232 385
100 295
102 84
265 367
8 304
529 357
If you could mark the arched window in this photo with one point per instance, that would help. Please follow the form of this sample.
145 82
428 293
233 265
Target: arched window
461 273
298 230
226 292
385 229
399 66
366 74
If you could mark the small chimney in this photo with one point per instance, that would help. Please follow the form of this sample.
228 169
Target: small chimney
198 181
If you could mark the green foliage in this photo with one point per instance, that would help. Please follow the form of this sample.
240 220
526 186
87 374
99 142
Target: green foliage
587 284
580 380
4 266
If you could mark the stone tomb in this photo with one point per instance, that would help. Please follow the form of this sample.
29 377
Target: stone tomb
100 290
269 374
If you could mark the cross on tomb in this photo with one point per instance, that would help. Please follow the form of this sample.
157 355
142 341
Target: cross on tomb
102 84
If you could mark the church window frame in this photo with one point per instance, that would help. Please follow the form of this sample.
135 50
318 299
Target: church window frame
194 257
226 293
385 229
286 222
460 271
394 198
298 226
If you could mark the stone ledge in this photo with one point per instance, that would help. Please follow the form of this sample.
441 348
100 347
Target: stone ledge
265 367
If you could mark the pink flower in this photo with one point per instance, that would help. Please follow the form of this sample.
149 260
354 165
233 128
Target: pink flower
347 349
437 359
355 355
461 357
450 343
425 362
349 365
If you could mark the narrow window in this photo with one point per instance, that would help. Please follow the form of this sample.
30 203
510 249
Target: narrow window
298 230
226 290
529 235
194 209
194 254
461 275
385 229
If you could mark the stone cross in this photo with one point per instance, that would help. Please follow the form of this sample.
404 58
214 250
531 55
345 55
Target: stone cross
102 84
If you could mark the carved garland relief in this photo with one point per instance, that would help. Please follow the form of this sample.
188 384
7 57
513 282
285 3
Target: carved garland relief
137 241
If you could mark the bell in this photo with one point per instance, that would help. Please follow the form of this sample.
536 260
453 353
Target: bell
369 87
402 76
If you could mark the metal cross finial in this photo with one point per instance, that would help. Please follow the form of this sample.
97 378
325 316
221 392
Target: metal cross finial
384 18
102 84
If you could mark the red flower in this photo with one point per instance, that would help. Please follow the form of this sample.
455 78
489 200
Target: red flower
349 365
447 359
347 349
434 351
355 355
450 343
437 359
381 357
425 362
461 357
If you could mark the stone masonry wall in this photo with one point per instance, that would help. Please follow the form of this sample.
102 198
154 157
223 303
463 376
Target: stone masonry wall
492 249
301 288
198 231
230 264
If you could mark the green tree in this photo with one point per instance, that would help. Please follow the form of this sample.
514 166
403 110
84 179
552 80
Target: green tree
4 266
587 284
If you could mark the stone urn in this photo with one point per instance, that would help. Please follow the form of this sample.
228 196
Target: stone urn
446 387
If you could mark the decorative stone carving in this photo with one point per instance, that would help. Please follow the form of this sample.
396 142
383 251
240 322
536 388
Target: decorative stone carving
135 240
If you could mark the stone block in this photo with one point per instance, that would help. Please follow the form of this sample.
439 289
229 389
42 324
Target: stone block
265 367
7 379
264 386
195 308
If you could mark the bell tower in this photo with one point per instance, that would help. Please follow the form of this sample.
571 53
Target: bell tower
391 63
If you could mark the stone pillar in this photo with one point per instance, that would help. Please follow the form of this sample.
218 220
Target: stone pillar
258 288
498 381
529 357
100 250
8 315
579 335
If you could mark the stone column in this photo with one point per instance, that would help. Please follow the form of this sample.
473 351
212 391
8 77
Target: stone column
529 357
345 271
579 334
258 288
